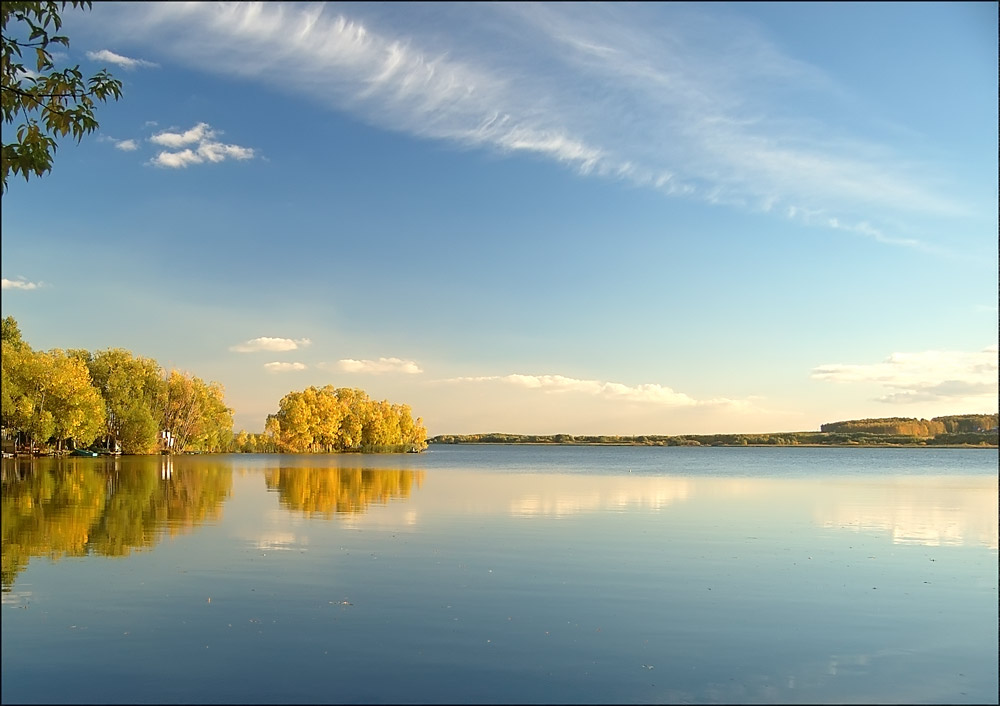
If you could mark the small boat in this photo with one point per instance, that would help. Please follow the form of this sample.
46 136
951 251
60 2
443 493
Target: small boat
83 452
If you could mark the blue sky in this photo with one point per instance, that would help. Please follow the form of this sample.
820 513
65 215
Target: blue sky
533 218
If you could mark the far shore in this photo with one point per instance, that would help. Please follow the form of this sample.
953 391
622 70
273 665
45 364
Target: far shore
731 446
884 436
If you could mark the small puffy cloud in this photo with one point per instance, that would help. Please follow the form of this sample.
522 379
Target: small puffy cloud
206 152
283 367
273 345
205 149
123 61
382 365
124 145
176 160
928 376
20 283
199 133
216 151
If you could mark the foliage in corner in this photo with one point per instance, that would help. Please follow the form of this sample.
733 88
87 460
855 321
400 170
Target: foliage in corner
50 103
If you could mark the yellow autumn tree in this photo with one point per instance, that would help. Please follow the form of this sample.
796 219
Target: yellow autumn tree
328 419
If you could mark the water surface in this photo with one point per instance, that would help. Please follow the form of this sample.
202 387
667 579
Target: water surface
504 574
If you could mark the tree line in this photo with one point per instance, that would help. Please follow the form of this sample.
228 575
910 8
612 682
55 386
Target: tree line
902 426
117 401
960 430
112 398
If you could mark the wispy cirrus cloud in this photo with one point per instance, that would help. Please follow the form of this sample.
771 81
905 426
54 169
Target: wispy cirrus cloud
927 376
20 283
690 101
205 148
125 62
382 365
651 393
279 367
273 345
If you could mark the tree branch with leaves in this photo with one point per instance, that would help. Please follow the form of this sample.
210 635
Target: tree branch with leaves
50 103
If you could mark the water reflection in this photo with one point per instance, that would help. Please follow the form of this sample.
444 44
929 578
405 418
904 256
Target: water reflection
110 507
930 511
331 491
926 511
563 495
529 586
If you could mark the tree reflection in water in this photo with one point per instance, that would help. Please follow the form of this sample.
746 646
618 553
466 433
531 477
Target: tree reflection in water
331 491
109 507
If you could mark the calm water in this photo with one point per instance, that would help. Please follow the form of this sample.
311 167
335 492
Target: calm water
504 574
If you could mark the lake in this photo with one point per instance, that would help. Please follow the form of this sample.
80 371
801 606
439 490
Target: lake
504 574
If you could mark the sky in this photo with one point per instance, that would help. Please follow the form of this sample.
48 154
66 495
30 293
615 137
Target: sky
653 218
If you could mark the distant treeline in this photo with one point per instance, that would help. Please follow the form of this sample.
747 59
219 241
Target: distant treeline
961 430
956 424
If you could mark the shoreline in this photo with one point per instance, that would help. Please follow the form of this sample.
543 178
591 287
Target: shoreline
705 446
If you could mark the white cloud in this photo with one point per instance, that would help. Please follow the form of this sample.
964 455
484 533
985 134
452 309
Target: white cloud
200 132
382 365
206 149
123 61
274 345
216 151
283 367
926 376
123 145
866 229
20 283
691 101
176 160
651 393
